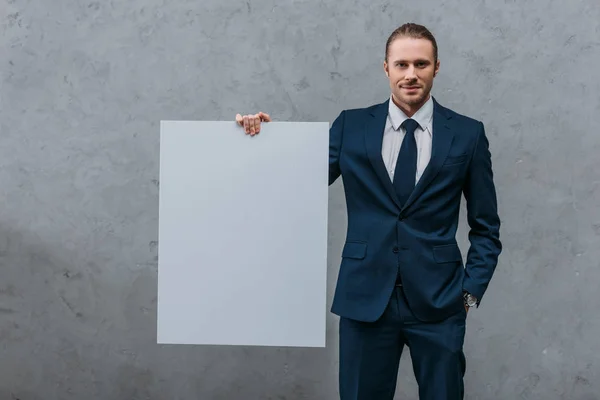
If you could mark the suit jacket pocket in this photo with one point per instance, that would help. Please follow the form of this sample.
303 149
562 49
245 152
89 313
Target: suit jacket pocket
356 250
448 253
455 160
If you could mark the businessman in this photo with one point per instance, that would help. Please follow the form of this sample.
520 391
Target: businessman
405 163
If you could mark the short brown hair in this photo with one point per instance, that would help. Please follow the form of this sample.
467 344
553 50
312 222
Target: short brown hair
414 31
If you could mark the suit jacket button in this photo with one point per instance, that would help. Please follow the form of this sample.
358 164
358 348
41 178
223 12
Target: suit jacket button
395 250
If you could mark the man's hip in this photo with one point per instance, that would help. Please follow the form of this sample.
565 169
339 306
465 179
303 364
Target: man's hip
370 353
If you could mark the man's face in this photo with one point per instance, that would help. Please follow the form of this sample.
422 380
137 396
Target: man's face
410 67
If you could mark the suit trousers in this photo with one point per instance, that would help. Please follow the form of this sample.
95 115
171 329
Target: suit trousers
370 354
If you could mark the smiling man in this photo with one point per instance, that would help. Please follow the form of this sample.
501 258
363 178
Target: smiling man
405 164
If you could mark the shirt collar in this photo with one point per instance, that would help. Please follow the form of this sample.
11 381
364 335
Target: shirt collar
423 116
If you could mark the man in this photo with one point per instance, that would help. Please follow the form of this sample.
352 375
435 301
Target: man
405 164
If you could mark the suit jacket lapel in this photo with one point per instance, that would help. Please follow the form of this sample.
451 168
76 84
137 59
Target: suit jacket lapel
375 127
442 140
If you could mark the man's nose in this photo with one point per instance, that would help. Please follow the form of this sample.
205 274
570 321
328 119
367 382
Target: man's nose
411 73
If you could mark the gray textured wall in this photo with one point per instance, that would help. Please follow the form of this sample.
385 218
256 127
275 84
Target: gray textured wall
84 84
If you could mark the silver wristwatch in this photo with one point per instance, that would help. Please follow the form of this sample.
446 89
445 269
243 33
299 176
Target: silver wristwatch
470 300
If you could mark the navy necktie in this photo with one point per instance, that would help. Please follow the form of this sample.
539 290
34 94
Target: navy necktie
406 166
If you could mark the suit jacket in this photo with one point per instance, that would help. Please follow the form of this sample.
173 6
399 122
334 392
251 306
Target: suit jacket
416 240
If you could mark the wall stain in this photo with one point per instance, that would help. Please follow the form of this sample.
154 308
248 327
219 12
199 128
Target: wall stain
9 291
71 308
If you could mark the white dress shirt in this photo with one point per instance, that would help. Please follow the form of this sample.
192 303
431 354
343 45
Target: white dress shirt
394 134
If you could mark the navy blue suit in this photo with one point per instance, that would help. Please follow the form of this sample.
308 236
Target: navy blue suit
415 243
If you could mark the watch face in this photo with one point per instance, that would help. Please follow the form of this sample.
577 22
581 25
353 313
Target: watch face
471 301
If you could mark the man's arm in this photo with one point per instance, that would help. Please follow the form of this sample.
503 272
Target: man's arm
482 215
335 147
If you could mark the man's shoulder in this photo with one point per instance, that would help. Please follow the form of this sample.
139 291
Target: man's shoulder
364 111
469 128
458 117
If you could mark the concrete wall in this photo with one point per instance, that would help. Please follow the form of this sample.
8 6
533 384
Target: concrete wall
84 84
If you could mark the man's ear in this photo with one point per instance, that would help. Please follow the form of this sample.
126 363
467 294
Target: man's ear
437 68
385 68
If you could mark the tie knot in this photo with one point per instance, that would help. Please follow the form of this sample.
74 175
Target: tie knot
410 125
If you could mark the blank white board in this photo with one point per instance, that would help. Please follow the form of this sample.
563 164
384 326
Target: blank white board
242 234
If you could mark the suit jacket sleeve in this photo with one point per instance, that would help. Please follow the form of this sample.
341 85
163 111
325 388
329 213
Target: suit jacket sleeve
335 147
483 219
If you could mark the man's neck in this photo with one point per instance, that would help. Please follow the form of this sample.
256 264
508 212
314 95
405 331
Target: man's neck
408 109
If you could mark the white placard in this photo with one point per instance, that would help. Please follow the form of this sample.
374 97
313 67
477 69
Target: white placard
243 234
